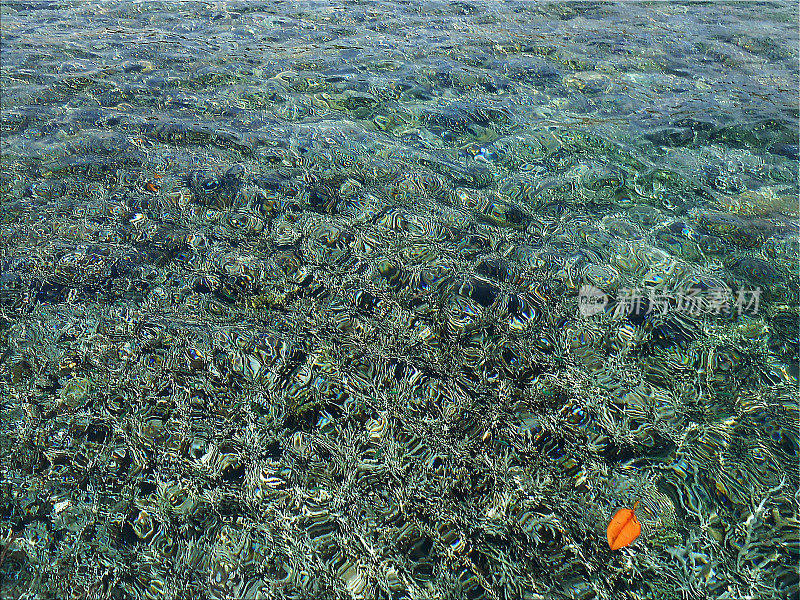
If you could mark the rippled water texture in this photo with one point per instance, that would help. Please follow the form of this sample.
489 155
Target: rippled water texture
398 300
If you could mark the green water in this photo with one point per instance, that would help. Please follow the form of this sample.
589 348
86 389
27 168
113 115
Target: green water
398 300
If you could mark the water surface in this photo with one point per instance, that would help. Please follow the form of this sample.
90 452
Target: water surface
398 300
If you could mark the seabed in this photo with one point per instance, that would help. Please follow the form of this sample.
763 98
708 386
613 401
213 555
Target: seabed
351 300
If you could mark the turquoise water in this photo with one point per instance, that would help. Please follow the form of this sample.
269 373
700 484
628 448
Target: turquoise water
398 300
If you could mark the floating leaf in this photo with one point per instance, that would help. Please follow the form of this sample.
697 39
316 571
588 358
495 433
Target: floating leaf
624 528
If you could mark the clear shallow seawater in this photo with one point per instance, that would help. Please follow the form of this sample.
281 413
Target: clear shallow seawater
398 300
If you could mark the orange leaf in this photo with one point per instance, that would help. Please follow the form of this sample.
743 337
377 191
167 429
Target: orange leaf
624 528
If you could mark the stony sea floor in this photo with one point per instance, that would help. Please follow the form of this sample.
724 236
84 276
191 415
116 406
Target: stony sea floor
403 300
